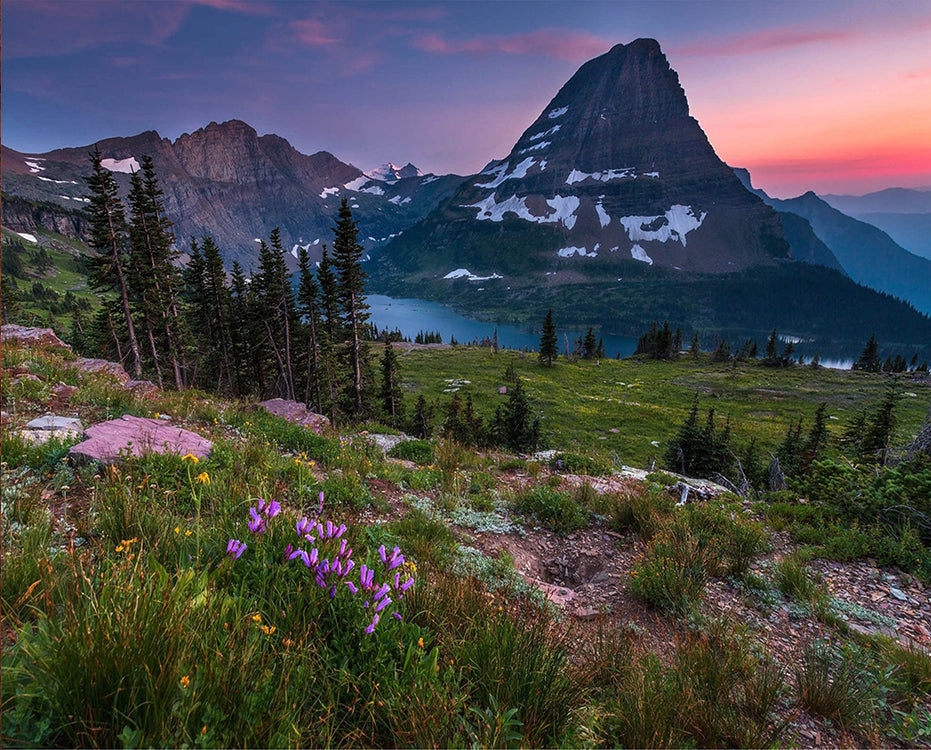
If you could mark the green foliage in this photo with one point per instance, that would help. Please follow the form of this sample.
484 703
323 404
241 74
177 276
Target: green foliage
700 451
830 684
418 451
549 344
557 511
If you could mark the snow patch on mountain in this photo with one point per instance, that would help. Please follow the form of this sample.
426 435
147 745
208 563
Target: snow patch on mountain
356 184
329 191
35 167
502 174
389 172
535 147
603 217
674 224
638 253
28 237
558 112
126 166
545 133
399 201
568 252
57 182
564 209
609 174
465 273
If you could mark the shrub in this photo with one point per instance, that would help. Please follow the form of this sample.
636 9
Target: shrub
555 510
830 684
418 451
674 569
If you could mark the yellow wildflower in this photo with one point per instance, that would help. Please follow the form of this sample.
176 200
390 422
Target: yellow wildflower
204 730
202 478
420 642
256 618
119 548
177 529
268 630
185 681
190 457
187 533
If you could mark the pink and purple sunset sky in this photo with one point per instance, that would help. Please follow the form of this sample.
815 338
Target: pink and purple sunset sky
828 95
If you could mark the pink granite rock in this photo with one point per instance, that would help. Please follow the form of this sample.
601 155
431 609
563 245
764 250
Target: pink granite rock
142 388
105 366
33 336
295 411
134 436
64 392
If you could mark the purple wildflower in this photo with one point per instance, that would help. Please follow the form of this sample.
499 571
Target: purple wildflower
383 603
235 548
396 615
407 584
385 588
371 628
352 587
381 551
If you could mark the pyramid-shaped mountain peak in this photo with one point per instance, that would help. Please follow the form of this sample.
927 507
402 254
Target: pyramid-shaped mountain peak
614 169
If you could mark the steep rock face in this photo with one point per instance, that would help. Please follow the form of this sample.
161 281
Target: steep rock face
226 181
613 169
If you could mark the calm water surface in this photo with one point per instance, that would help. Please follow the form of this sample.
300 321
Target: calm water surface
410 316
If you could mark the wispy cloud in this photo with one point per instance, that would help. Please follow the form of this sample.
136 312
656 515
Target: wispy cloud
766 40
248 7
562 44
314 32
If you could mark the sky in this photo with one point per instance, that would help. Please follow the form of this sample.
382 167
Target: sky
825 95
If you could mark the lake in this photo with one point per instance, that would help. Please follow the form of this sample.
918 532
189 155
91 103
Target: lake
410 316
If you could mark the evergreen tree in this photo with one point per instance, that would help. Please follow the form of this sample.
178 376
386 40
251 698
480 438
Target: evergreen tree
218 302
817 438
309 304
274 295
519 430
869 357
347 260
330 335
695 349
109 238
590 345
880 426
155 274
422 419
549 344
772 349
392 398
241 330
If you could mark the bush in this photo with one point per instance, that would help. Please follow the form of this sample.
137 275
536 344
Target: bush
674 569
418 451
557 511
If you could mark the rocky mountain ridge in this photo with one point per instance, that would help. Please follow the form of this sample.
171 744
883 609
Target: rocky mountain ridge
226 181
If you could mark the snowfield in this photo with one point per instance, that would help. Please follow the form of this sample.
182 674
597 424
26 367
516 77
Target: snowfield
678 221
126 166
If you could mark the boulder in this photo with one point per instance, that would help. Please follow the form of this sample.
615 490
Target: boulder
142 388
32 336
107 442
43 429
105 366
295 411
64 392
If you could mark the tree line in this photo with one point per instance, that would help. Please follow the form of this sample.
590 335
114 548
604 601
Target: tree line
238 334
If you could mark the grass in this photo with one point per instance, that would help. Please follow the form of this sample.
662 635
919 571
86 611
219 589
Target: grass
147 633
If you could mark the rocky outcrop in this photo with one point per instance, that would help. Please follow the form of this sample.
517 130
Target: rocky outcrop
51 426
295 411
32 336
22 215
102 366
108 442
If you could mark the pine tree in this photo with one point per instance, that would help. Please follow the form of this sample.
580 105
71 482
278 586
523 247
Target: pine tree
392 398
817 438
275 311
771 349
695 348
422 419
590 345
155 271
308 299
218 304
869 357
109 238
880 426
549 344
347 260
330 335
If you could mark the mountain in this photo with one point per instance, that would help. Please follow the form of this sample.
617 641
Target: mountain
613 209
613 169
389 172
902 213
227 181
867 254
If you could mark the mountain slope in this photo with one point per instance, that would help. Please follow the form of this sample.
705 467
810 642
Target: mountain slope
614 168
227 181
867 254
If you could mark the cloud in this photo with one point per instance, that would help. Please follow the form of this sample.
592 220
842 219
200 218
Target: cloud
249 7
767 40
561 44
314 33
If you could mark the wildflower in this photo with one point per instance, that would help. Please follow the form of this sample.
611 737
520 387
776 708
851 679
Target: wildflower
177 529
190 457
202 478
352 587
371 628
235 548
268 630
204 729
420 642
187 533
185 681
256 617
119 548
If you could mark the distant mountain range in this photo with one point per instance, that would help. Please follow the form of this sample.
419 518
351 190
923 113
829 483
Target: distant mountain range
612 208
227 181
903 214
